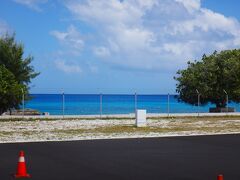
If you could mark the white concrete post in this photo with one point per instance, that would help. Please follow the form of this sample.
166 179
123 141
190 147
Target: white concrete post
141 116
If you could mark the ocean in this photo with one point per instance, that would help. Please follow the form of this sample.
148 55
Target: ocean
89 104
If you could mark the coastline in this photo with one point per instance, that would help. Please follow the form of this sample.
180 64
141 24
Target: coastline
109 116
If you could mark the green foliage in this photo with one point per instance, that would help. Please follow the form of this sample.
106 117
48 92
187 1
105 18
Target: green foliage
15 73
10 90
211 76
11 55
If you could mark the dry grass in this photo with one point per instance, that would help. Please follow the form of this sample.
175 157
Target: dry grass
45 129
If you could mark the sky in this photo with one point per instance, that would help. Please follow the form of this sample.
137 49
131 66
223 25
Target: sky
117 46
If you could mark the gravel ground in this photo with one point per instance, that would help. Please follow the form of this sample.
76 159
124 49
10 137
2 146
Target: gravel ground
62 130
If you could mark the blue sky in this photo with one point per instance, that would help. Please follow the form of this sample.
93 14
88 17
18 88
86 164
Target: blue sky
112 46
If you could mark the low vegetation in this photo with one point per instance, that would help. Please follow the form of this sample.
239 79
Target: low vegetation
18 130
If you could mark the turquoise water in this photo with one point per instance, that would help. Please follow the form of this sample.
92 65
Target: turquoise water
84 104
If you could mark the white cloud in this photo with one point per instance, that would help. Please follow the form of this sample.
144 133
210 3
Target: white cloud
132 39
101 51
67 68
154 34
108 11
71 39
207 20
33 4
191 5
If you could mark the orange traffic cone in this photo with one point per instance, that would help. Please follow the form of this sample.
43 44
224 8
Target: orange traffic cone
21 167
220 177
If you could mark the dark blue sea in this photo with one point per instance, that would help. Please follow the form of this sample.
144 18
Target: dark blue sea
89 104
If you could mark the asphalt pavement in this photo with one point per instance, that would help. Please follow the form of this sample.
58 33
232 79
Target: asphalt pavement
170 158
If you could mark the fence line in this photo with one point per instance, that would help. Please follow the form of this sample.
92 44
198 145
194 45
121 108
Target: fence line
119 104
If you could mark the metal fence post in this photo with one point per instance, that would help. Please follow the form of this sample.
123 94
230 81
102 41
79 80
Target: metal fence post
227 103
198 101
226 98
135 100
168 108
23 103
100 105
63 104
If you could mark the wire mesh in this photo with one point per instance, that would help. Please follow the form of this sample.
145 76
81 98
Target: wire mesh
105 104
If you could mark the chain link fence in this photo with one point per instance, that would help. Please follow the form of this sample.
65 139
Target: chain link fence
112 104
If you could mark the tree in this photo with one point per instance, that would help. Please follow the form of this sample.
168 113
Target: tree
10 90
16 73
11 55
211 76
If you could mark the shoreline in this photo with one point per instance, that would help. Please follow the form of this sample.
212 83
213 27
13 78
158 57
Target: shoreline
131 116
